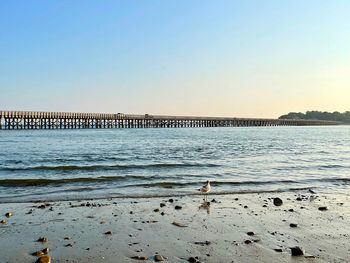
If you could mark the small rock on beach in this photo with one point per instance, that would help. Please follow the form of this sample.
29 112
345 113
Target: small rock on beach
297 251
8 215
42 239
158 258
44 259
277 201
139 258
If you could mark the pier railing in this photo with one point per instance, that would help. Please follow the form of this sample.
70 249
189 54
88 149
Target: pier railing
68 120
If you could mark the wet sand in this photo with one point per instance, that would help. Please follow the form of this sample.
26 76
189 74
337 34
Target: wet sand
215 233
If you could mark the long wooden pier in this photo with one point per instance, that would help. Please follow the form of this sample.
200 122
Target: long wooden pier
14 120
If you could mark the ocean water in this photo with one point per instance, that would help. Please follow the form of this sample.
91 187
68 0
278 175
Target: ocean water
84 164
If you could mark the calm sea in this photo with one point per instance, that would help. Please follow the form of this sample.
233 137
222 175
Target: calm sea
70 164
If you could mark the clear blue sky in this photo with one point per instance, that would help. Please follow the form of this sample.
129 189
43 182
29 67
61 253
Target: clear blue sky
216 58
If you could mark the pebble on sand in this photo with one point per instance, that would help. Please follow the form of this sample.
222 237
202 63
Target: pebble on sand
293 225
108 233
139 257
178 224
67 238
251 233
192 259
203 243
323 208
8 215
46 250
39 253
277 201
297 251
42 239
3 221
44 259
69 245
158 258
247 241
178 207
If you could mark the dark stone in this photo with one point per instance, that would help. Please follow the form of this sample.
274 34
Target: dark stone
139 258
108 233
203 243
247 241
44 259
8 215
171 200
278 250
293 225
178 207
251 233
162 204
158 258
299 199
156 210
277 201
192 260
38 253
297 251
42 239
323 208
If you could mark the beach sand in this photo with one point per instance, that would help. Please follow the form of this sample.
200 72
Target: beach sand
141 227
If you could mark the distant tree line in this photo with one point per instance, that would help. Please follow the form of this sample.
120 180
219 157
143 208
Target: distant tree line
319 115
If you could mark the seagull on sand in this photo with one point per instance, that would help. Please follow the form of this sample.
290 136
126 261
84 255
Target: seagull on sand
205 189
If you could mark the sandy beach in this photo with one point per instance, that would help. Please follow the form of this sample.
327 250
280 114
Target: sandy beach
178 228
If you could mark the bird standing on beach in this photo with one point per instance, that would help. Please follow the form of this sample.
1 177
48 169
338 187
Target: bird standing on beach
205 189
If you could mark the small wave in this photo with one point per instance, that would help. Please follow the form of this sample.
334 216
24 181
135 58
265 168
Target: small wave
43 182
332 166
344 180
311 167
213 183
105 167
